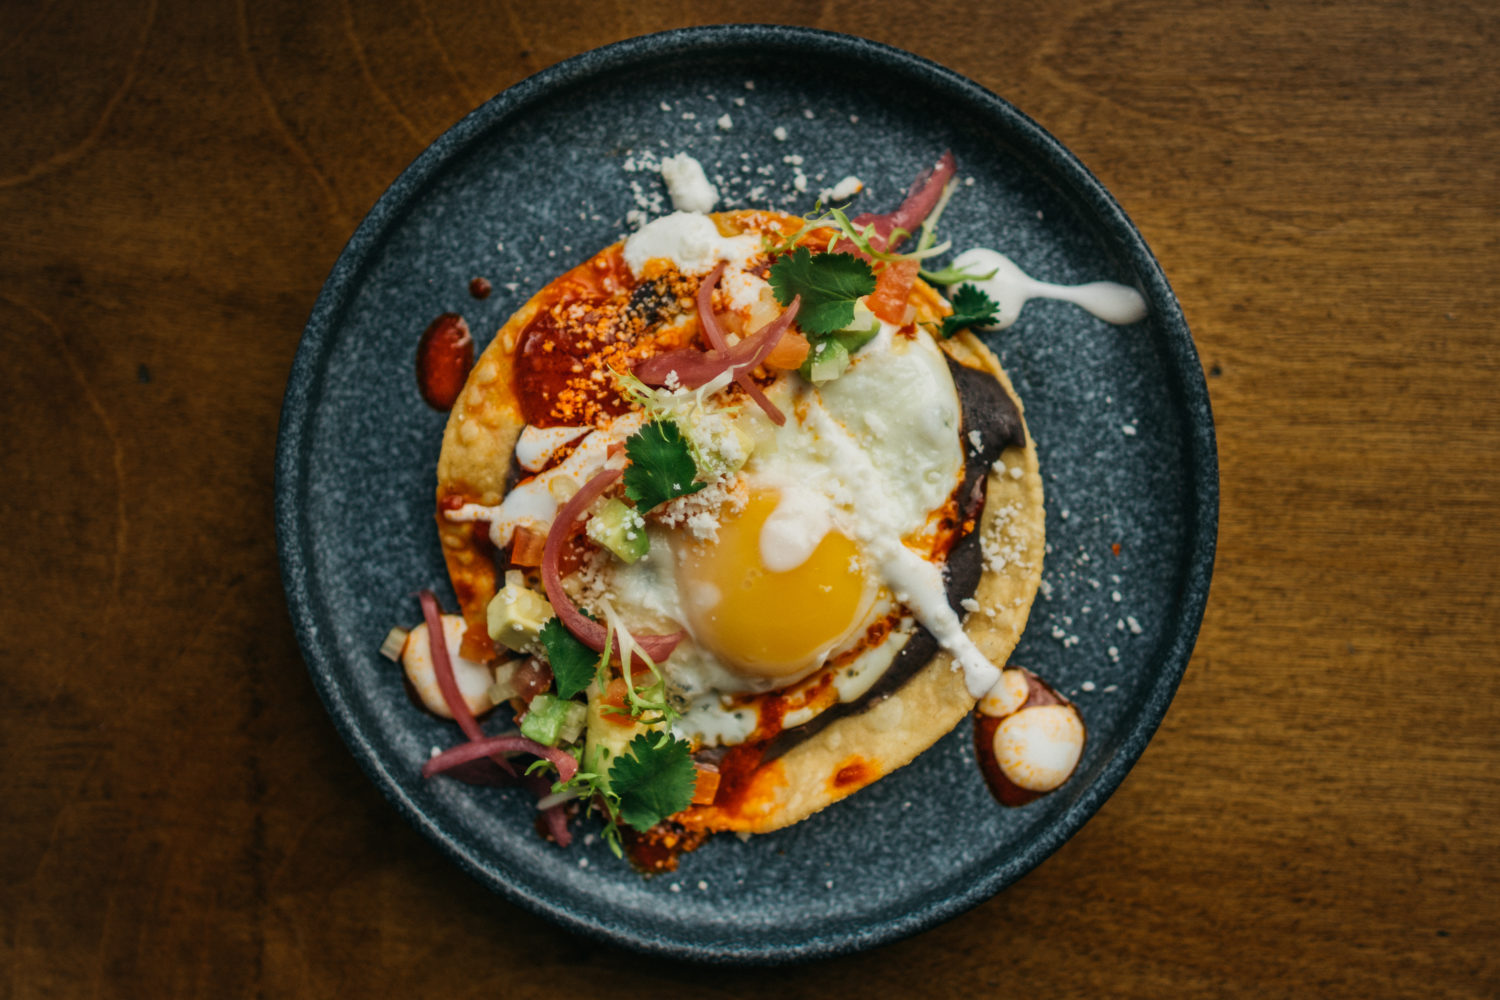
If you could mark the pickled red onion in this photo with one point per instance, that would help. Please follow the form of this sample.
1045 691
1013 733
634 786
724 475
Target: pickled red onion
920 199
554 816
491 746
591 633
442 668
720 343
695 368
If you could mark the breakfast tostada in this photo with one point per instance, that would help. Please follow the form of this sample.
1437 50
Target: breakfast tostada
740 517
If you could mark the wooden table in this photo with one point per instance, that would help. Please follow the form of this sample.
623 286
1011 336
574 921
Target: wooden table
1318 815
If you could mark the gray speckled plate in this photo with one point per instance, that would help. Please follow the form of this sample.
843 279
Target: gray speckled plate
543 176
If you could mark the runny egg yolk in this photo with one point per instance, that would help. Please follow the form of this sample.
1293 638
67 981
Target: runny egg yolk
764 623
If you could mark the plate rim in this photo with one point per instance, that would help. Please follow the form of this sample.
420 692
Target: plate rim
1063 168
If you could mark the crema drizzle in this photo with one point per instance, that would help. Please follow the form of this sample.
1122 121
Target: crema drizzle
1012 288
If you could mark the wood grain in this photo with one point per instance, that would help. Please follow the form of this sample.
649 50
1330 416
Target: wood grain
1317 816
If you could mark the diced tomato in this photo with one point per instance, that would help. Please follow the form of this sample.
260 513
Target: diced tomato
526 546
707 787
790 351
614 697
892 286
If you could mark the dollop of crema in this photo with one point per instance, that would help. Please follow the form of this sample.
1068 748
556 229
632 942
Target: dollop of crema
1011 288
690 241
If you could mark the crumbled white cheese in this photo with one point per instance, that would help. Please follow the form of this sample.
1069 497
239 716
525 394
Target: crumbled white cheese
844 189
700 512
687 184
780 133
725 122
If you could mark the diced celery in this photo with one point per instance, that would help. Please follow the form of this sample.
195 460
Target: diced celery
620 528
504 688
573 722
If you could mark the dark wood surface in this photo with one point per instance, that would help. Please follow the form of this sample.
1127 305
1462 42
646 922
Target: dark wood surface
1318 814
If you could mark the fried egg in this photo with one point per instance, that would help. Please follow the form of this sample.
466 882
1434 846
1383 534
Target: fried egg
816 547
780 569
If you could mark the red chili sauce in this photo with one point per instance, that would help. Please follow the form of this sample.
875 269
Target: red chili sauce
588 324
444 356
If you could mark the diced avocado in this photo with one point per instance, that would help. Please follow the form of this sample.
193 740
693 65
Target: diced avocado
620 528
551 720
573 722
853 340
515 617
864 325
608 734
827 360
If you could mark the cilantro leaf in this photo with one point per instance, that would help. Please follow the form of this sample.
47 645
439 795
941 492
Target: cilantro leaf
661 466
653 780
971 307
573 663
828 283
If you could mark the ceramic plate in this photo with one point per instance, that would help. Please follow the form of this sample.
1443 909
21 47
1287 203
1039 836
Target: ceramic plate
544 175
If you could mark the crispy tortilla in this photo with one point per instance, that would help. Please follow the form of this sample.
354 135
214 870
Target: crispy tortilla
475 465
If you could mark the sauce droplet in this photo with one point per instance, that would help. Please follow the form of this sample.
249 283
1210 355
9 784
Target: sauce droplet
480 288
1049 740
444 356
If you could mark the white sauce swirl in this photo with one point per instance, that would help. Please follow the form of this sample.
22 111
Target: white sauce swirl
1012 288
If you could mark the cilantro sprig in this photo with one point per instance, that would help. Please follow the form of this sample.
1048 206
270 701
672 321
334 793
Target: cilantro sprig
653 780
573 664
829 284
661 465
971 307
